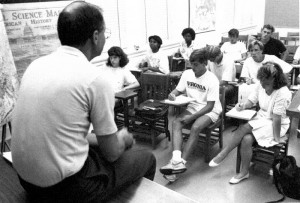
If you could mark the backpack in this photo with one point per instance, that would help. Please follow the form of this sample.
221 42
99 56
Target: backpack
286 175
151 108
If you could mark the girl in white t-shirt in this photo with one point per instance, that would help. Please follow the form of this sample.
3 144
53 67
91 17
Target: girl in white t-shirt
122 78
268 126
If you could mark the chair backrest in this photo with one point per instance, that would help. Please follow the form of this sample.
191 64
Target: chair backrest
292 40
243 38
293 34
154 86
292 50
275 35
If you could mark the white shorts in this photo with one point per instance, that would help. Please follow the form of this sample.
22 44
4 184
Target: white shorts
212 115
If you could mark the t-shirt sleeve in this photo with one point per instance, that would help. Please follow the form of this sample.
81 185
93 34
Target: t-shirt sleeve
282 101
229 71
253 97
243 47
213 91
281 46
129 78
164 64
286 68
245 70
101 105
181 87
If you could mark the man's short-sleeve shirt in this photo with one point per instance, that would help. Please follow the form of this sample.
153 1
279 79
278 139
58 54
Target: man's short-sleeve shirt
225 70
60 95
274 47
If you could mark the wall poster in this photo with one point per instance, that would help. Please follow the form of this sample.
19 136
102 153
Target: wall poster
31 30
202 15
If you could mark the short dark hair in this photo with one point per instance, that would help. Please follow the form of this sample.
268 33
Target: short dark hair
269 27
117 51
272 70
157 39
233 33
77 23
256 42
200 55
189 30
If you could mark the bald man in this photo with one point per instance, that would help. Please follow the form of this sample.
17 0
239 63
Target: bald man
60 95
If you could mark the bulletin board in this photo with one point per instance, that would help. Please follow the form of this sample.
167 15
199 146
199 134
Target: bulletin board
282 13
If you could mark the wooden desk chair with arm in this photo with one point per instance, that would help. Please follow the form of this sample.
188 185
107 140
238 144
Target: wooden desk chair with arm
154 86
214 132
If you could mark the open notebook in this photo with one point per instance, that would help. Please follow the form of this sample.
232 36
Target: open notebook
246 114
180 100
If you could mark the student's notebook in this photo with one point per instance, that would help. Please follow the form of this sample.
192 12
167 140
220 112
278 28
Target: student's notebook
246 114
180 100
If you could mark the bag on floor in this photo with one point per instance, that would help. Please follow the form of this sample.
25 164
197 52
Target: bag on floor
151 107
286 175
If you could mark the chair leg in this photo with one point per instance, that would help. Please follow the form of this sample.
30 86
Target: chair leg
168 135
153 139
3 138
238 159
221 136
207 147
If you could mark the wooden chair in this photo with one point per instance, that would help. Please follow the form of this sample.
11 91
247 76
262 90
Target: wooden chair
292 50
289 40
3 140
275 35
264 155
293 34
153 86
214 132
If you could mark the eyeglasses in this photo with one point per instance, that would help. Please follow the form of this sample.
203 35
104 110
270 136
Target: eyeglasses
107 33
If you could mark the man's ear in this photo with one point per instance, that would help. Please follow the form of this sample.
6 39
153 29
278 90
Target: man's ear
95 37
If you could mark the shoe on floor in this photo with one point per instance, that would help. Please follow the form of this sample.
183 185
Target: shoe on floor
173 168
234 180
170 178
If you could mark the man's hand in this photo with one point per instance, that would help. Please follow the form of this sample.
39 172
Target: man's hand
240 106
172 97
295 61
127 137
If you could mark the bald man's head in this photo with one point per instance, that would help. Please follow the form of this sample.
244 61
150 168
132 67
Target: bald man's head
77 23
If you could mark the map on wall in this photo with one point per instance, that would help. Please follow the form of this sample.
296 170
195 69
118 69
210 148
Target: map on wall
31 30
8 77
202 15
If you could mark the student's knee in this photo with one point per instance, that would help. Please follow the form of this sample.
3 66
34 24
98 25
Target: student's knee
177 124
247 140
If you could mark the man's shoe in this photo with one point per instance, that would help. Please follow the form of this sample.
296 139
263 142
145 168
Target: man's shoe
173 168
170 178
234 180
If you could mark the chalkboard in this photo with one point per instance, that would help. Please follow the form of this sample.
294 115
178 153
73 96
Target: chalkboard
282 13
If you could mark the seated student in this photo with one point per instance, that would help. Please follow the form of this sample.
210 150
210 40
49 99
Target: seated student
234 48
122 78
253 63
224 68
270 123
155 60
272 46
202 85
297 56
187 46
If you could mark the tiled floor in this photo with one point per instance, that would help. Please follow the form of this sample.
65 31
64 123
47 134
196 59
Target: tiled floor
205 184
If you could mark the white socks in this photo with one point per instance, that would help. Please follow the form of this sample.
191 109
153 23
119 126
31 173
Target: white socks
177 156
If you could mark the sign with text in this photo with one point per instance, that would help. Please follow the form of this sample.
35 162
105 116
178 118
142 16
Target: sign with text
31 30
